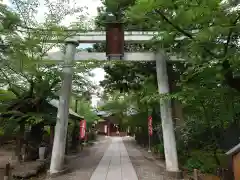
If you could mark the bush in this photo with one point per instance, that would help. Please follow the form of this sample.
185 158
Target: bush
141 137
160 148
201 160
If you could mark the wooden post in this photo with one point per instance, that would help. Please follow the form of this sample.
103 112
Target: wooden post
195 174
24 152
20 139
7 172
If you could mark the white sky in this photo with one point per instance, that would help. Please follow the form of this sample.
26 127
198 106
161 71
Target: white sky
91 10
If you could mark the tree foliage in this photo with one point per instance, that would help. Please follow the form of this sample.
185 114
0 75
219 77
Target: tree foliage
205 34
202 32
24 70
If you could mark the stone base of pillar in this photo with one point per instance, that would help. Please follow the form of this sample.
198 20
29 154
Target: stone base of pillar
173 175
58 173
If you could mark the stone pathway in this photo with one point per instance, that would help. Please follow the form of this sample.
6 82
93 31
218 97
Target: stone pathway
115 158
115 163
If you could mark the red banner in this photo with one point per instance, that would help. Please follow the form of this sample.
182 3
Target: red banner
150 121
83 127
150 131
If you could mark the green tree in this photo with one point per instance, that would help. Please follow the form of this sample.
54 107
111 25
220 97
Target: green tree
24 71
202 32
205 34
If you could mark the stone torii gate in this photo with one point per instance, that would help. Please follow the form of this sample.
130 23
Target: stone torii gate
114 37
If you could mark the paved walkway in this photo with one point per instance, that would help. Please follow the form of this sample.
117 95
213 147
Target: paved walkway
113 158
84 165
115 163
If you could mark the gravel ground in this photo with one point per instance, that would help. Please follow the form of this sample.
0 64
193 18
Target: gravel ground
84 165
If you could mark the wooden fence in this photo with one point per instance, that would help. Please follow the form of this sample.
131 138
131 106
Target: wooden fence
5 139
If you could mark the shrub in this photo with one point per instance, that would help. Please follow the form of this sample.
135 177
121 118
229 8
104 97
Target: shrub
201 160
160 148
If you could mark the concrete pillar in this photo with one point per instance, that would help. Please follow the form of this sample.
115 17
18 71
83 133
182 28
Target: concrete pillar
58 151
166 116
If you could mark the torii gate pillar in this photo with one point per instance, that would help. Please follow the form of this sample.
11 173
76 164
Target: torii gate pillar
59 144
170 149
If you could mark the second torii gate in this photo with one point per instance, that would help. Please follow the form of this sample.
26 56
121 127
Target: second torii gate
114 37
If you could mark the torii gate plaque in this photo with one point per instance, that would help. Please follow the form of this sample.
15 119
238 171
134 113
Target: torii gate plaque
114 51
114 41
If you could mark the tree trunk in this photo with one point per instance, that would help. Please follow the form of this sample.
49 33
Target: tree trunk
74 136
20 139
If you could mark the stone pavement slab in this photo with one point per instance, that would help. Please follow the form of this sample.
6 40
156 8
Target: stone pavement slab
115 164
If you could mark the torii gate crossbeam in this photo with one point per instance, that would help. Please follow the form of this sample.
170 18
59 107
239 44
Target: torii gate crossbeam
100 56
100 36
